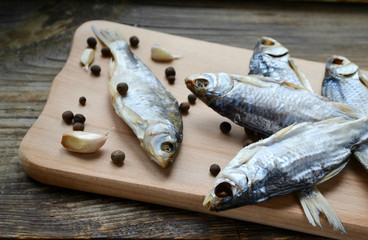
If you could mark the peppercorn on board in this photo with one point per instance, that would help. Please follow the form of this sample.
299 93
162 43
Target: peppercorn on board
185 183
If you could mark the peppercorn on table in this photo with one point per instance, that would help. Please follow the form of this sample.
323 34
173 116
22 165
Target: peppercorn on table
36 41
184 183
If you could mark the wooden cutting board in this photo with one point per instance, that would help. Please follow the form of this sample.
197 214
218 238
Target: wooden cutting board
185 183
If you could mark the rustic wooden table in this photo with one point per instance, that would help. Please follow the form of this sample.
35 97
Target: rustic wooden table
35 42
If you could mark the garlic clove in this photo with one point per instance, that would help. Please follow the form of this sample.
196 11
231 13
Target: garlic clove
83 142
87 57
159 53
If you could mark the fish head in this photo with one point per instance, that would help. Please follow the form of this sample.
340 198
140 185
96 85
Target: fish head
231 189
208 86
161 142
340 66
271 47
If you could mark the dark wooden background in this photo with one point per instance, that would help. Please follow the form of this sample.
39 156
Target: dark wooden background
35 39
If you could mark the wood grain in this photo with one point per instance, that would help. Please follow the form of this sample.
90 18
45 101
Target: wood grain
185 183
28 65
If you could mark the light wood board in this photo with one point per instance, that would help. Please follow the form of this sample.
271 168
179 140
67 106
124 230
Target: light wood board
185 183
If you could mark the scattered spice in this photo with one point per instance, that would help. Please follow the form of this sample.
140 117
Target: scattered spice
122 89
78 126
106 52
159 53
184 107
68 117
87 57
134 41
225 127
192 98
95 69
80 118
92 42
83 142
215 169
118 157
171 79
82 101
170 71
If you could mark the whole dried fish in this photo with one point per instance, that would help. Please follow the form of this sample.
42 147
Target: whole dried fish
263 104
147 108
295 159
271 59
343 82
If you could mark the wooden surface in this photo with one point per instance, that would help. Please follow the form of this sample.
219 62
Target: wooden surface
35 44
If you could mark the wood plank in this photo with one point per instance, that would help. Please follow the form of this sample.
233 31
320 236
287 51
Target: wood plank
184 184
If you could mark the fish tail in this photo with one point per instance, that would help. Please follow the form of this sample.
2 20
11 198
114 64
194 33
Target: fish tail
314 203
107 37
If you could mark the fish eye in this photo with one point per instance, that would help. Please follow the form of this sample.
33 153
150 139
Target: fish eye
167 147
337 61
223 190
267 42
201 83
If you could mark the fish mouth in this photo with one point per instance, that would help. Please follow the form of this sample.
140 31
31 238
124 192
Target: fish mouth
216 198
342 66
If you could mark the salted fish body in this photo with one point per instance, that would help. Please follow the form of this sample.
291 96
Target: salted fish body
263 104
295 159
344 83
271 59
148 108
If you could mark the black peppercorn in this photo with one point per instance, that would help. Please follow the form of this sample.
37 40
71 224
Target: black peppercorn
92 42
122 89
192 98
215 169
82 101
225 127
184 107
68 117
134 41
118 157
106 52
78 126
95 69
79 118
170 71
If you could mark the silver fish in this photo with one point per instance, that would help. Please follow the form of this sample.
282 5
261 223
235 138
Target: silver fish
271 59
344 83
295 159
263 104
148 108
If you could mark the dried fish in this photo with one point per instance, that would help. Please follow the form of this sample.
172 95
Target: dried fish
271 59
295 159
263 104
148 108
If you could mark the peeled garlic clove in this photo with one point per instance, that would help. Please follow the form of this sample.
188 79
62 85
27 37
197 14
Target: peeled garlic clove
159 53
87 57
83 142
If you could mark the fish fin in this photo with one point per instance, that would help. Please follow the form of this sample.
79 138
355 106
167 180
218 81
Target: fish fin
332 173
106 36
351 111
302 78
361 154
363 79
112 67
284 130
255 80
314 203
292 85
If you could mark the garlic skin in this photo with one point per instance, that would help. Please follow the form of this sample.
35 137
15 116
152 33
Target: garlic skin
159 53
87 57
83 142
